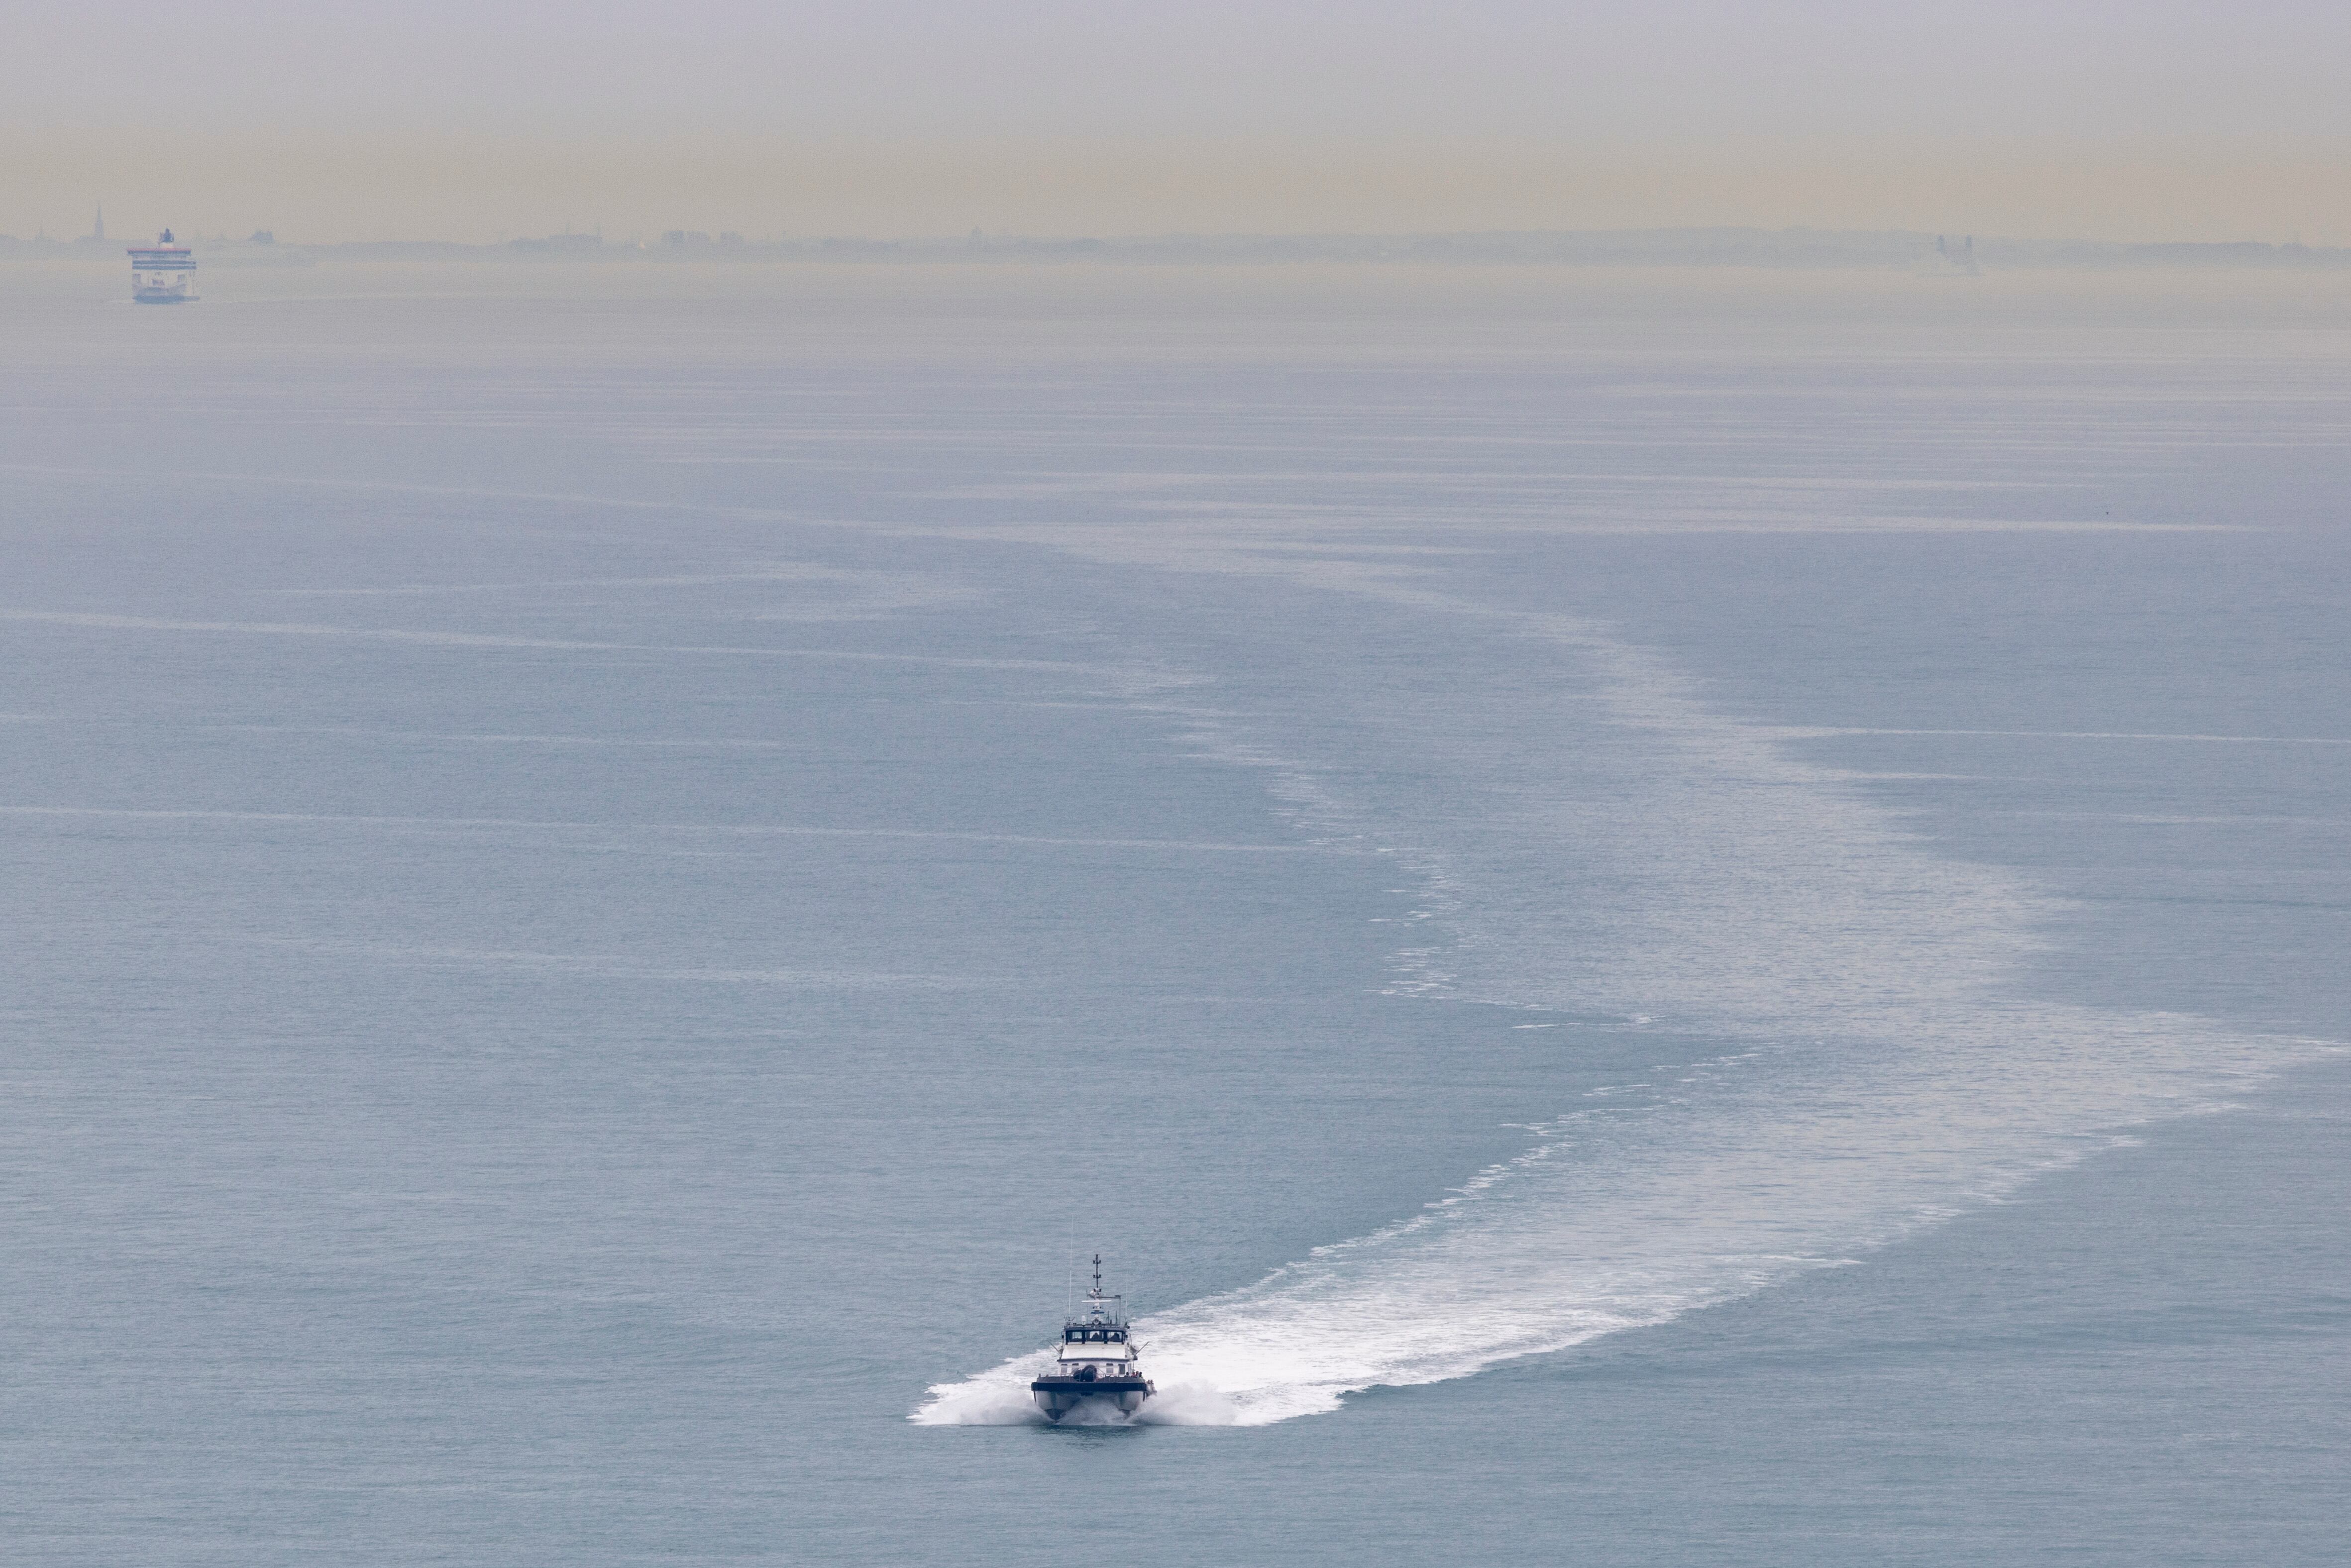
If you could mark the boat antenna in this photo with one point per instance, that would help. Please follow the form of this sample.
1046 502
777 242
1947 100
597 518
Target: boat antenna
1097 1276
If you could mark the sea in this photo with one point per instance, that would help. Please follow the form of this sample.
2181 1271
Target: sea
1684 918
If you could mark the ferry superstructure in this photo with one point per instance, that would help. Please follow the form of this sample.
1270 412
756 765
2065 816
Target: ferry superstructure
161 273
1096 1365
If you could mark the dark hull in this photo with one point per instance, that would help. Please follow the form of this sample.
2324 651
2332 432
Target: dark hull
1057 1396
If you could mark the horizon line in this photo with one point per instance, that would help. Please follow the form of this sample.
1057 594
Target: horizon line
1714 243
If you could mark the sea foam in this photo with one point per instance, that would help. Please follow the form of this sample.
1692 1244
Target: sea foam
1883 1066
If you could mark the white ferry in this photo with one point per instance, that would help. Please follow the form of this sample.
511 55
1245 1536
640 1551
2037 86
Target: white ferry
1097 1362
161 273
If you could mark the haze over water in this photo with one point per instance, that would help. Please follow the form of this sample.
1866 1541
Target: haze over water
1662 918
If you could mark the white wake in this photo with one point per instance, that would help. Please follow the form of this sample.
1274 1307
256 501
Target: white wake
1880 1070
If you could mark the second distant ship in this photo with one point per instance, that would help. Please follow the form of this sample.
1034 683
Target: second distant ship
1096 1363
161 273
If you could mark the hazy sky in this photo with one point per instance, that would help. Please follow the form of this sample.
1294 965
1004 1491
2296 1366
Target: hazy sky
2154 119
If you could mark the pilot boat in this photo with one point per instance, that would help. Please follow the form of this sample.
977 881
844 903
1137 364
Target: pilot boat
1096 1363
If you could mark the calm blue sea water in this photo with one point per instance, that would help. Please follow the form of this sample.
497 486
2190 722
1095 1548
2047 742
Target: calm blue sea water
1661 920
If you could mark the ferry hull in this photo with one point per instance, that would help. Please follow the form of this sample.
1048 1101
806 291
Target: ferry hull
1058 1397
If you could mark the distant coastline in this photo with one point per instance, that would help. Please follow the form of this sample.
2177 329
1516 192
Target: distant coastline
1799 248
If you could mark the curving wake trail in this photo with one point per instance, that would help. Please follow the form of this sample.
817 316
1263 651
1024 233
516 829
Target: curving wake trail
1879 1071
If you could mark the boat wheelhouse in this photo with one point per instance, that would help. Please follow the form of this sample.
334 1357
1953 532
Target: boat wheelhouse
1096 1365
161 273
